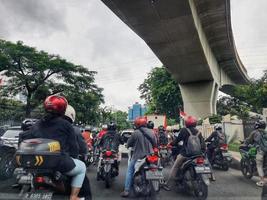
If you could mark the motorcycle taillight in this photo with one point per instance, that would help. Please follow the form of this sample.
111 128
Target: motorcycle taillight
224 147
199 160
39 179
108 153
152 159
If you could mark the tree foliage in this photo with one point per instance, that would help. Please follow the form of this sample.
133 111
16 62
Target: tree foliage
37 74
161 93
11 110
254 94
231 105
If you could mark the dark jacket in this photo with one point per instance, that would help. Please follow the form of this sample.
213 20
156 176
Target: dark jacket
184 135
140 144
163 138
214 139
111 141
83 149
61 130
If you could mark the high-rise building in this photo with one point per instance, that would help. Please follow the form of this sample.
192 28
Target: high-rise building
135 111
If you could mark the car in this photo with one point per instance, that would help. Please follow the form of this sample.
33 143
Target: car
126 134
8 147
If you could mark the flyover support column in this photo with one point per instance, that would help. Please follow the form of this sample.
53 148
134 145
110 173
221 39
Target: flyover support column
199 98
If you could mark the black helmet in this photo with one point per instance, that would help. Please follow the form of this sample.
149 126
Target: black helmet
161 128
260 124
150 124
27 124
112 126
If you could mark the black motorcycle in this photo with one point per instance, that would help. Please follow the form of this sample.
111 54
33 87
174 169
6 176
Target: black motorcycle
193 176
220 157
36 178
147 176
108 167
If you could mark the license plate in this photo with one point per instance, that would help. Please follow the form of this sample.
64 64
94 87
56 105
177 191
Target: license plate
202 170
154 175
38 196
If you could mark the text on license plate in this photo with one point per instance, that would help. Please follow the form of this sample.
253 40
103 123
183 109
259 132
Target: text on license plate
38 196
203 169
154 174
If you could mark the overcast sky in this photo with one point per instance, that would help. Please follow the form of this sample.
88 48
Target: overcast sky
86 32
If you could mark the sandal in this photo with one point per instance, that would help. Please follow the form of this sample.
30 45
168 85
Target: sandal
260 183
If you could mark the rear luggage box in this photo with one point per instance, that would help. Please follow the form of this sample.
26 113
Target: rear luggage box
38 153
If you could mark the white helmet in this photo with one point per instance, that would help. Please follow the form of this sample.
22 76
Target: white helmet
70 113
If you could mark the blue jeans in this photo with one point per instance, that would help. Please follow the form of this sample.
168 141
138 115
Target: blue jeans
129 175
77 173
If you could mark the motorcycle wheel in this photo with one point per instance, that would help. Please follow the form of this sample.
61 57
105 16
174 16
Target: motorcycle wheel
200 188
141 187
108 180
246 169
225 166
7 165
155 185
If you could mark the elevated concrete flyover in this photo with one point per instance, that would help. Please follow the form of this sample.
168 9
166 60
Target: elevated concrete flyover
194 41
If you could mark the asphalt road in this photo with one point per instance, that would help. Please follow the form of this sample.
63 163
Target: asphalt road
228 185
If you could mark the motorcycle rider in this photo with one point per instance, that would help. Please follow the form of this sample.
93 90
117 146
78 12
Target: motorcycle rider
150 125
70 115
53 126
255 139
184 135
111 141
216 138
162 136
27 124
142 142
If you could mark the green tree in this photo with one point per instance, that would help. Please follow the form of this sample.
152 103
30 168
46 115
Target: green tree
11 110
161 93
120 118
254 94
37 74
231 105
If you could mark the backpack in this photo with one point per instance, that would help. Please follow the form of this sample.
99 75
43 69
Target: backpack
193 146
263 142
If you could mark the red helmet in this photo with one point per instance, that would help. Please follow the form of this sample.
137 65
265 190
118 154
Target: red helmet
55 104
190 122
140 121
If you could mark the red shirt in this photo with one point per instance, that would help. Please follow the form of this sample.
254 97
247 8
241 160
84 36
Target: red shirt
101 134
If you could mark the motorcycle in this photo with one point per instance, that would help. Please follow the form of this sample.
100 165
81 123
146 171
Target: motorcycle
221 157
108 167
147 176
165 155
248 161
36 159
194 176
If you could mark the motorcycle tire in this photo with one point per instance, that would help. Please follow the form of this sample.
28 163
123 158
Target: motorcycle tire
141 187
246 169
7 165
108 180
200 188
225 167
155 185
